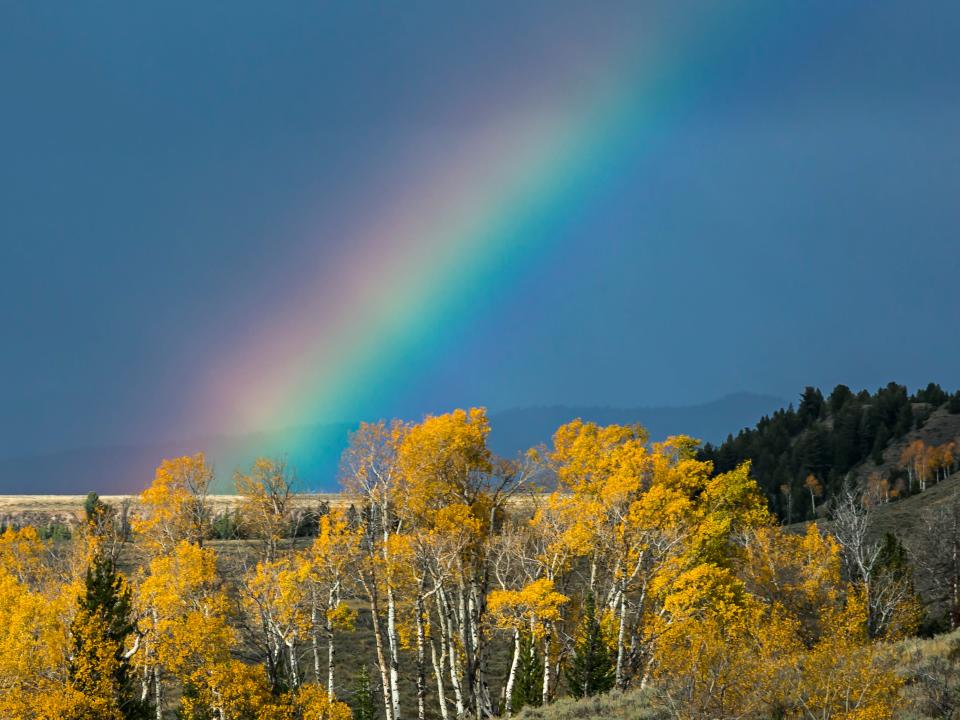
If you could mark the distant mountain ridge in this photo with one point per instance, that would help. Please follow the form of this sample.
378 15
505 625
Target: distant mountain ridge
515 430
315 451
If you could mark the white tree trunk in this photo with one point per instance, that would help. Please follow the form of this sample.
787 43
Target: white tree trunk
315 644
546 670
292 662
447 629
394 653
158 693
621 642
331 652
438 668
381 660
421 659
511 678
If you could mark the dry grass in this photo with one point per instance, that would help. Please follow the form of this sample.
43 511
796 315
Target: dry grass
612 706
73 504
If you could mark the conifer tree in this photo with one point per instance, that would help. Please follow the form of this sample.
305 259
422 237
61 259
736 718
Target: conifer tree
99 665
364 702
953 405
527 688
592 670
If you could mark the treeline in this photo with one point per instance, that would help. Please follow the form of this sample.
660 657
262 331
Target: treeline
641 567
801 456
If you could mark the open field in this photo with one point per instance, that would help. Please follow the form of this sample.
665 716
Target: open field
74 503
63 507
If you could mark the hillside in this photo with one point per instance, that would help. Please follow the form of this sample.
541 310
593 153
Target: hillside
928 667
802 456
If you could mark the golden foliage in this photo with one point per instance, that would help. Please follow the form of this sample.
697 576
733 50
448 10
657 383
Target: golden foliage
175 505
698 594
531 608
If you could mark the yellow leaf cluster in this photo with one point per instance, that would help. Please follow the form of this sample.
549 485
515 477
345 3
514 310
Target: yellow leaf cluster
174 506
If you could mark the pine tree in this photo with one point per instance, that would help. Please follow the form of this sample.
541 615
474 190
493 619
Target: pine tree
904 419
892 557
99 667
880 444
93 507
364 702
592 669
528 686
953 405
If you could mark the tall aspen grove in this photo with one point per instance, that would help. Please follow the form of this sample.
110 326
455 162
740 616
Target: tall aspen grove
450 583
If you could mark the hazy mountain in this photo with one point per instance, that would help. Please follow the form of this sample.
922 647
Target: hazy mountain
314 451
513 431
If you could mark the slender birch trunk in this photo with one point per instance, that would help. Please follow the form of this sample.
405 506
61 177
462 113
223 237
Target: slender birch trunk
621 642
331 653
446 621
512 677
315 643
381 660
394 653
421 658
439 664
158 693
292 663
546 670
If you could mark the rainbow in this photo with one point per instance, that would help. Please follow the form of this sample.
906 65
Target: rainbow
455 231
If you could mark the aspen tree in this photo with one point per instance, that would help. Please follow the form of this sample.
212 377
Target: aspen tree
265 496
370 470
326 569
182 614
175 506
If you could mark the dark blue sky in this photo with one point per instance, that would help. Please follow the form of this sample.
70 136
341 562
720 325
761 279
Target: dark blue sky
795 222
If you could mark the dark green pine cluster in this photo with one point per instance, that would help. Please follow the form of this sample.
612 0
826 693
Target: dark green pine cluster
826 438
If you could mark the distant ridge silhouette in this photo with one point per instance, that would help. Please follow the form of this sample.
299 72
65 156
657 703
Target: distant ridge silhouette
515 430
128 469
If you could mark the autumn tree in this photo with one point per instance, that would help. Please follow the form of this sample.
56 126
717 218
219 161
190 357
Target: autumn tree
815 488
453 490
942 460
175 506
182 612
877 489
370 470
275 601
36 611
266 494
602 472
780 633
325 571
915 459
532 610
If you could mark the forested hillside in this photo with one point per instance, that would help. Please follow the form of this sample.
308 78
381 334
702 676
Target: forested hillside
802 456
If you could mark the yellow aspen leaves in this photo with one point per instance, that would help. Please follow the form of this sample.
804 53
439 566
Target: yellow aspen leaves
175 505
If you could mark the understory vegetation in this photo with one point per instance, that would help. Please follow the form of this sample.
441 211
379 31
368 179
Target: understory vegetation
637 576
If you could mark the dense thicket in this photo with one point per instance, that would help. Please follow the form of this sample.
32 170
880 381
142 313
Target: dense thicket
801 456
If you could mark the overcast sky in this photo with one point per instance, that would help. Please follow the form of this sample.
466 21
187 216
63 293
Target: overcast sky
162 165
